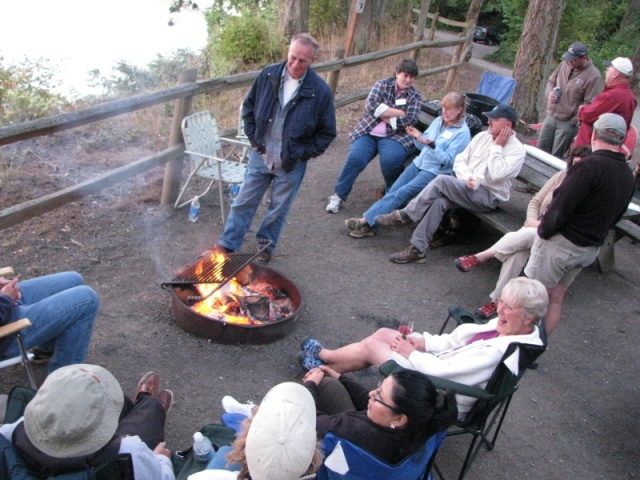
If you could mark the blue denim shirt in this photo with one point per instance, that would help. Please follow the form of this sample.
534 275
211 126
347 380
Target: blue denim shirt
449 141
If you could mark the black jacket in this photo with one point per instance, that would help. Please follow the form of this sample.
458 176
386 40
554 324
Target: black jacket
590 200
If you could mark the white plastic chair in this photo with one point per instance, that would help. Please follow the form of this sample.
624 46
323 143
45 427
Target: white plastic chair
203 143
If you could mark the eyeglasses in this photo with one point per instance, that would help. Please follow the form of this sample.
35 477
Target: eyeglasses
377 398
506 305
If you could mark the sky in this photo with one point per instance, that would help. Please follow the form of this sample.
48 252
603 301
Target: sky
82 35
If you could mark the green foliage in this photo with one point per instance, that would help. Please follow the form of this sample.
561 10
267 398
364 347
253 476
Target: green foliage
242 40
26 91
162 72
327 16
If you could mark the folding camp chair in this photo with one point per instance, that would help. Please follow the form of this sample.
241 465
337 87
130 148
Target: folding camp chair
360 465
15 328
497 87
203 143
484 420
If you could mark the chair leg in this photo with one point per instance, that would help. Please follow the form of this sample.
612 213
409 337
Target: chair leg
220 191
26 362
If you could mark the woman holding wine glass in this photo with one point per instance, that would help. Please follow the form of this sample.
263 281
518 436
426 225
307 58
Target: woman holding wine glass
469 354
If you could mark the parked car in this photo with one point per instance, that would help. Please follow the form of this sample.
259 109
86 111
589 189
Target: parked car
488 35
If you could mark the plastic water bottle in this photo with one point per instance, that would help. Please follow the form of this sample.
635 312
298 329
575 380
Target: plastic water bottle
234 189
194 209
202 448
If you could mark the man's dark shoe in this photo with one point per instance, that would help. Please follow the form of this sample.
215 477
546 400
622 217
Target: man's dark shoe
391 220
40 357
264 257
165 398
148 384
220 249
410 255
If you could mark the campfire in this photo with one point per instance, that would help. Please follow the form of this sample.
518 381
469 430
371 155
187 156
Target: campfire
243 299
230 300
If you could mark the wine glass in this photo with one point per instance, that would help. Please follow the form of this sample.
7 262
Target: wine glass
406 325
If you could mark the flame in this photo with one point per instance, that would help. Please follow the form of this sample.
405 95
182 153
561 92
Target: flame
219 303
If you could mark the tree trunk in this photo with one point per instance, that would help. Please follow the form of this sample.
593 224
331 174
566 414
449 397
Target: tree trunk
367 34
294 17
630 28
533 59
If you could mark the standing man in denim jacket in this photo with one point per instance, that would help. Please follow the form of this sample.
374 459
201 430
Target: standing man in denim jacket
289 118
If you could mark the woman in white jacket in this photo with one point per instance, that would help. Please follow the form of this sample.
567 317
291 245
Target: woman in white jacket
468 355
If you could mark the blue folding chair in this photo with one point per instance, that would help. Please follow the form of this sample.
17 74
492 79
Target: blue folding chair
364 466
497 87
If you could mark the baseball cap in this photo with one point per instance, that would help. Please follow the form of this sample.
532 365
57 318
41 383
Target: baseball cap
75 411
282 437
621 64
503 111
576 50
611 123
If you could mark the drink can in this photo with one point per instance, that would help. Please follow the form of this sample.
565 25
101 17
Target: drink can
556 93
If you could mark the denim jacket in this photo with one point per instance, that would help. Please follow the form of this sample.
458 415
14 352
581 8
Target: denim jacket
310 125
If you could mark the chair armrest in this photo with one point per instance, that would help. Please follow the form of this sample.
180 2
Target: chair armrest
14 327
460 388
5 271
390 366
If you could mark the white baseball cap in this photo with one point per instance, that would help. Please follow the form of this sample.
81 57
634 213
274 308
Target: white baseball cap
621 64
282 437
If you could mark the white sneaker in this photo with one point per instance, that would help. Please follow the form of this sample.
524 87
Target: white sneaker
335 204
231 405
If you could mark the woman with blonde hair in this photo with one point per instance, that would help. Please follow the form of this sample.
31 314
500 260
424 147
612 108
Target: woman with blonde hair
446 137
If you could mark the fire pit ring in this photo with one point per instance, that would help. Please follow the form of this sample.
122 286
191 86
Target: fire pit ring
230 333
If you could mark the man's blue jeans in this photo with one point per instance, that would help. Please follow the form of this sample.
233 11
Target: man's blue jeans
361 152
257 178
409 184
62 311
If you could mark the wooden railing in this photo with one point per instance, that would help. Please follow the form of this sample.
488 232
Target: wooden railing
172 156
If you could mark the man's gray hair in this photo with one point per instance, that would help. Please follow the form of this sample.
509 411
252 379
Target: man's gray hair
308 40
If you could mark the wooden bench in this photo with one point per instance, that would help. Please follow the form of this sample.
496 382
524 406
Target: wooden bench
536 173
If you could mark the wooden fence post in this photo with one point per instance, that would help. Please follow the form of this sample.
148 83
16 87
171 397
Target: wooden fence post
334 75
173 169
432 29
419 33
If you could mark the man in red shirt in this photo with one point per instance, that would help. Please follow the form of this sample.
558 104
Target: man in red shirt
615 98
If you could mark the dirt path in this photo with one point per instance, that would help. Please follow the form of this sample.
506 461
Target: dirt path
573 418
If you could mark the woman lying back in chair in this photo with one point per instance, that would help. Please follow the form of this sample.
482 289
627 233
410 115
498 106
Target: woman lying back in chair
468 355
391 422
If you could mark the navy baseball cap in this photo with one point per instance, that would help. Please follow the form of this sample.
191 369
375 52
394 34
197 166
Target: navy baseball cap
503 111
576 50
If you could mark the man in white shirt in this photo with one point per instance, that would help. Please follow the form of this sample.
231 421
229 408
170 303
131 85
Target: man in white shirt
484 172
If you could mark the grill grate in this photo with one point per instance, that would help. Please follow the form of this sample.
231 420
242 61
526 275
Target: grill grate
214 272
